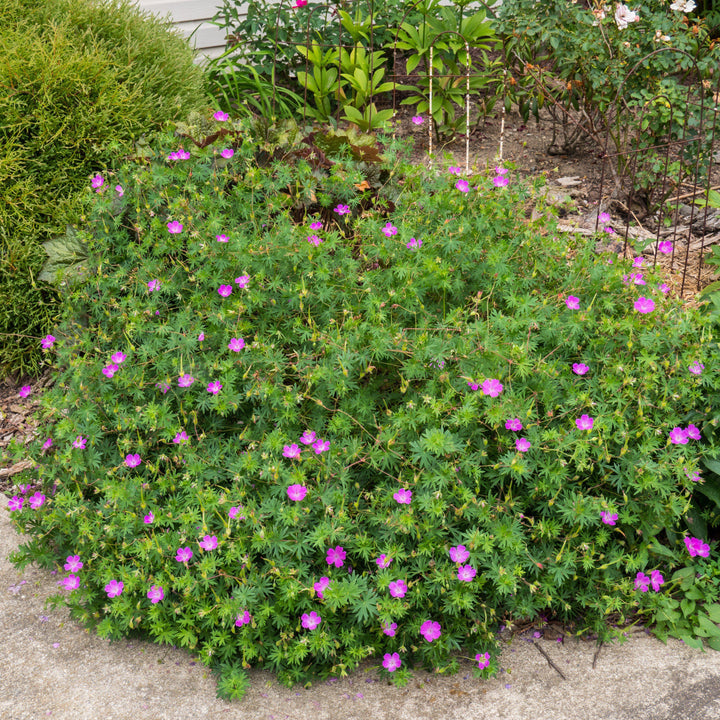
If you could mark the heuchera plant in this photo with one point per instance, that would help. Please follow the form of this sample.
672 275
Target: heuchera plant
368 447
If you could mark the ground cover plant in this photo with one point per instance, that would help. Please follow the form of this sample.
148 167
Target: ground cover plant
77 77
301 420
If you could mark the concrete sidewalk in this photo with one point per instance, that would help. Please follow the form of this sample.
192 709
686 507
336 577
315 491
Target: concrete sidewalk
52 668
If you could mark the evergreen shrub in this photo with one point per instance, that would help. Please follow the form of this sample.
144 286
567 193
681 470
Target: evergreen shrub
300 421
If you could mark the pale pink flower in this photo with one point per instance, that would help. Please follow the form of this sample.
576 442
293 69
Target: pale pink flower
391 661
459 554
73 564
236 344
321 586
296 492
522 444
389 629
242 281
185 380
209 542
132 460
184 554
463 186
214 387
291 451
644 305
308 437
155 594
398 588
417 119
514 424
37 500
466 573
492 387
383 561
430 630
114 588
312 620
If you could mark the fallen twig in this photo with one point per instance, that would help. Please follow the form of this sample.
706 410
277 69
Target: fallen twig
550 662
597 652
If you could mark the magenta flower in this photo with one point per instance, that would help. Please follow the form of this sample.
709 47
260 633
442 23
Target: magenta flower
80 442
342 209
114 588
233 513
227 153
220 116
693 432
413 243
462 186
665 247
695 546
201 337
391 662
580 368
243 618
398 588
242 281
181 437
184 554
132 460
321 446
455 170
500 170
214 387
656 580
308 437
37 500
174 227
473 385
164 387
71 582
119 190
25 390
153 285
296 492
185 380
522 444
403 496
585 422
236 344
483 660
291 451
500 181
664 288
109 370
73 564
696 368
336 556
678 436
221 238
573 302
316 225
321 586
430 630
47 342
47 444
466 573
209 542
514 424
311 621
15 503
225 291
417 119
118 357
314 240
642 582
383 561
149 519
459 554
608 518
97 182
644 305
389 230
695 476
492 387
155 594
389 629
604 217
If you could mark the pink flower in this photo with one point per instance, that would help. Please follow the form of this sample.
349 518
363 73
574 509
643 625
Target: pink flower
473 385
47 342
644 305
383 561
184 554
209 542
243 618
119 190
693 432
185 380
664 288
604 217
336 556
320 446
413 243
342 209
316 225
149 519
25 390
181 437
580 368
455 170
71 582
314 240
500 181
417 119
391 662
153 285
227 153
201 337
233 513
73 564
221 238
132 460
695 546
37 500
118 357
492 387
466 573
642 582
608 518
403 496
291 451
47 444
114 588
398 588
522 444
483 660
665 247
80 442
696 368
155 594
225 290
220 116
214 387
311 621
694 477
236 344
430 630
15 503
109 370
459 554
321 586
296 492
97 182
174 227
242 281
389 629
514 424
585 422
573 302
462 186
678 436
308 437
389 230
656 580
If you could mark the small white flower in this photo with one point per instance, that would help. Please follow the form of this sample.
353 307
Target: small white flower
624 15
684 6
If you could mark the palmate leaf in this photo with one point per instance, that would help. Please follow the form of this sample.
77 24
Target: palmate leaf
67 258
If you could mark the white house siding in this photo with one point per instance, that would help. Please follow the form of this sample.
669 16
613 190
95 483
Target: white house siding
192 18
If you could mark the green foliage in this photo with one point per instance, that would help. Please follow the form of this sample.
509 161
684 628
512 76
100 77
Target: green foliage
378 332
78 79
